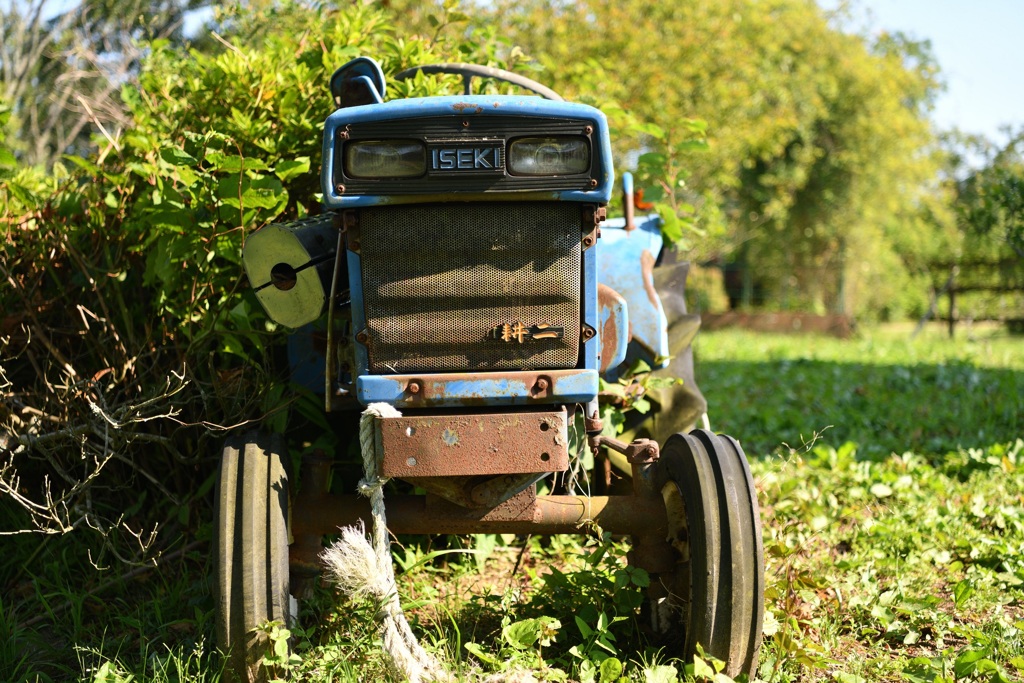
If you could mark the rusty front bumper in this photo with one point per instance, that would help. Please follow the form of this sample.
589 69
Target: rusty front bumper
471 445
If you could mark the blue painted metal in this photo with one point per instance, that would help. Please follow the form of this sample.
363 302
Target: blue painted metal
469 106
478 389
355 283
306 348
625 262
591 313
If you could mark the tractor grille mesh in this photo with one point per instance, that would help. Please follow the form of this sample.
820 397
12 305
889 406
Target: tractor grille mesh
437 279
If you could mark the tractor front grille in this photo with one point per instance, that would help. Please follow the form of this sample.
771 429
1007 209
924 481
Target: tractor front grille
441 280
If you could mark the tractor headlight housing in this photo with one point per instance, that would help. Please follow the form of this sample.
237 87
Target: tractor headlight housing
549 156
379 159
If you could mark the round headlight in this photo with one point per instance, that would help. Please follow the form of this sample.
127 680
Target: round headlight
374 159
549 156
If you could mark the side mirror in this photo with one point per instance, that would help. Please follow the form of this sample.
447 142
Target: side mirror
360 81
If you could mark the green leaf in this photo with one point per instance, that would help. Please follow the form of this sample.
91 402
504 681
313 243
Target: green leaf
652 158
652 129
7 159
640 577
610 669
661 673
286 170
702 670
481 654
265 192
187 175
177 157
232 163
962 592
521 634
84 164
968 661
692 146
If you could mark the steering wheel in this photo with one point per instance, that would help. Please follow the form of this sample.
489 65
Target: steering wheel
468 71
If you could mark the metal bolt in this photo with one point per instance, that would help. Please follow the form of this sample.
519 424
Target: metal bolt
593 182
349 220
465 124
541 385
414 387
588 332
362 337
588 240
339 188
588 130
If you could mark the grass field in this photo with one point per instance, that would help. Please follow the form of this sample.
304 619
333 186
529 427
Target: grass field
890 474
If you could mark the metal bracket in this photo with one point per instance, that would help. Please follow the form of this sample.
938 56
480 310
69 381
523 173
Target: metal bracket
592 217
350 228
639 451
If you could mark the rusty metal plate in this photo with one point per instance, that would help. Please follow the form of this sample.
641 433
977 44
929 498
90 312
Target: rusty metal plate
459 445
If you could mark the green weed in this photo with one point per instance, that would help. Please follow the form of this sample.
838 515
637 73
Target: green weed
892 555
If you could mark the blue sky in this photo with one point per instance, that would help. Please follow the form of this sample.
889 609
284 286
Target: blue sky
979 46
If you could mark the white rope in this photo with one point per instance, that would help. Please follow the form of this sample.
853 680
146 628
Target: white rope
362 570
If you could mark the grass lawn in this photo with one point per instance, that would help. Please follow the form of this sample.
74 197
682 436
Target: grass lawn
890 474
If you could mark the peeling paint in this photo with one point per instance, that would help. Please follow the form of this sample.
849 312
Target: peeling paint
614 323
467 107
488 388
647 269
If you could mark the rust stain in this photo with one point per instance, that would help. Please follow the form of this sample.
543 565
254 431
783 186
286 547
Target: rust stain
526 442
606 299
647 270
463 107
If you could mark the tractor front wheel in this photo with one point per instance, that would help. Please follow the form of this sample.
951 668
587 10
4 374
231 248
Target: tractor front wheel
251 551
715 596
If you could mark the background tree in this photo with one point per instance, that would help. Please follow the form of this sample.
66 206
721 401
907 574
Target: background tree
818 139
62 67
991 199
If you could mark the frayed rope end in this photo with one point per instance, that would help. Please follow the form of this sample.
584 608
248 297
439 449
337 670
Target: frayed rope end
352 564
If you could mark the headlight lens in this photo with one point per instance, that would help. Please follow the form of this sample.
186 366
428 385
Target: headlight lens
549 156
373 159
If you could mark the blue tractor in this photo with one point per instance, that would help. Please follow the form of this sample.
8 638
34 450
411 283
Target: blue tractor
463 272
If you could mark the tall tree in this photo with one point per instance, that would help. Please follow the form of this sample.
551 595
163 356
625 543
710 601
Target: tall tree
991 199
62 70
819 141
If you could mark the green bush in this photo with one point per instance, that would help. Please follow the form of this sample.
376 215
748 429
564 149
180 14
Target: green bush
127 326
